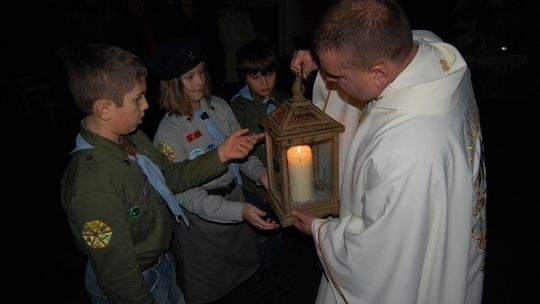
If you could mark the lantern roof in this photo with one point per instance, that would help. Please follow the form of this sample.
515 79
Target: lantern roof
298 117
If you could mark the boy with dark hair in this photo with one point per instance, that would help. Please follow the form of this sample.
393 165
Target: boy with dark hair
115 189
257 63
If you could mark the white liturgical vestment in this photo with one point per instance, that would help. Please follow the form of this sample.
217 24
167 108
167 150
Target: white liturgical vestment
335 106
412 220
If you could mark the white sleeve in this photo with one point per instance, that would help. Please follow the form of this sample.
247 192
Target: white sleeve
374 251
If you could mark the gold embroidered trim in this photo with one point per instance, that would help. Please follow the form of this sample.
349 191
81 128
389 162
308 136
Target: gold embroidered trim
444 65
326 267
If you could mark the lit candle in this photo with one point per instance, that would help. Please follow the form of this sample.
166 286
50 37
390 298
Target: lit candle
300 163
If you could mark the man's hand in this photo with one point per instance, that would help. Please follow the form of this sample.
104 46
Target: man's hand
254 216
303 62
238 145
304 222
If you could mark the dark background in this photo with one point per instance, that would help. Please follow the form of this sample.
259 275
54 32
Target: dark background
40 123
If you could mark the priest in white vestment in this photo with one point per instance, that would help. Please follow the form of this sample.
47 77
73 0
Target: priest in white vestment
412 220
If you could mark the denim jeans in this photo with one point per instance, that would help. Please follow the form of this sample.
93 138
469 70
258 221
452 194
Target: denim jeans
161 280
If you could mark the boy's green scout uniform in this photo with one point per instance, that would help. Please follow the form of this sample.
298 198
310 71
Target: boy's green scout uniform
249 111
113 211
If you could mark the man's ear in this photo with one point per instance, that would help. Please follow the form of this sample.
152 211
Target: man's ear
381 75
103 109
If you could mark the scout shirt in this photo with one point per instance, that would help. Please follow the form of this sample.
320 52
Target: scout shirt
249 109
118 220
412 219
182 137
218 251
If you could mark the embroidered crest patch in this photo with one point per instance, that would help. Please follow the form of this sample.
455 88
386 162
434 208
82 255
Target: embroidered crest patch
166 149
134 213
97 234
210 147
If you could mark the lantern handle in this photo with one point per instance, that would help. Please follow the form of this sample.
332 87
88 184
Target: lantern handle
298 88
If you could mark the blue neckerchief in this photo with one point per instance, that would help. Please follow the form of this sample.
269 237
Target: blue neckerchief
152 172
268 101
270 105
244 92
218 136
81 144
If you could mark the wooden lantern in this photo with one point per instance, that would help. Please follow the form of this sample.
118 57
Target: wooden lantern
302 158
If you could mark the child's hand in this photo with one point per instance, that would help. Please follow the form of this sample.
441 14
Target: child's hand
254 216
238 145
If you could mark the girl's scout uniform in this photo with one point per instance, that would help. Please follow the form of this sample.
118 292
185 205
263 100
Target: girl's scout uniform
218 251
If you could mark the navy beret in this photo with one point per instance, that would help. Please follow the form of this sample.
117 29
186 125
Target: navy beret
175 58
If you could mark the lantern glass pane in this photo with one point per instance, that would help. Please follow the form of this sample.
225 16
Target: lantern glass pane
323 169
276 161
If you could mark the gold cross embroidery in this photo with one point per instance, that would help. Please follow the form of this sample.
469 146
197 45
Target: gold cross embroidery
444 65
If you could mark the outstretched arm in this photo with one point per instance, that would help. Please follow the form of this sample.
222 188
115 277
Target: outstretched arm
255 217
238 145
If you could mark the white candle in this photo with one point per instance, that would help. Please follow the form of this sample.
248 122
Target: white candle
300 163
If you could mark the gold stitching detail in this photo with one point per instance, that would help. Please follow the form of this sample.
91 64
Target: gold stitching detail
444 65
326 267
